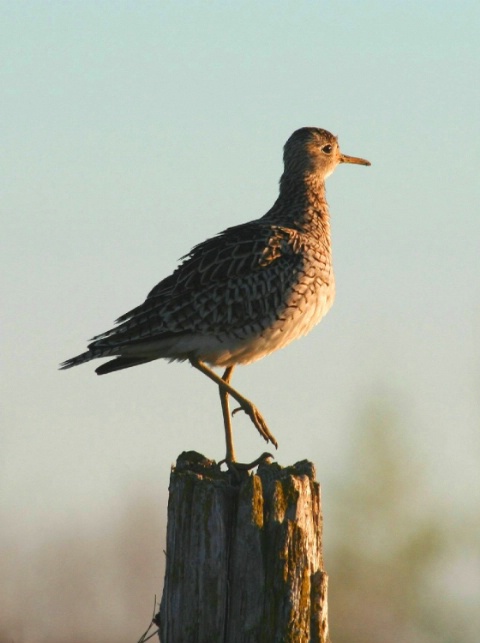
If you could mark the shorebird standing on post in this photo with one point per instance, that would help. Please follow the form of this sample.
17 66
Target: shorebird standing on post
244 293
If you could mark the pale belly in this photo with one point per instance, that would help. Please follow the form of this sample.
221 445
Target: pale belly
295 322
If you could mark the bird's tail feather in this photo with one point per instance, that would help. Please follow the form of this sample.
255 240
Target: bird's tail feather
120 363
78 359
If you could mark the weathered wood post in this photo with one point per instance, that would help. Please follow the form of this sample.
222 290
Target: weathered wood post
244 557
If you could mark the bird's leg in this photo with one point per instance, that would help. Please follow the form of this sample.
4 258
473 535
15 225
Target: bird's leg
230 456
230 459
249 408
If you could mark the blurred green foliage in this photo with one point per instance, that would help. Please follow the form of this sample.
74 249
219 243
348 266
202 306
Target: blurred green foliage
395 560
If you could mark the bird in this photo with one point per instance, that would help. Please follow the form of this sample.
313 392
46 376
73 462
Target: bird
244 293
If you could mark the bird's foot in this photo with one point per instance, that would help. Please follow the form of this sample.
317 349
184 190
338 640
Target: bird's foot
239 469
258 421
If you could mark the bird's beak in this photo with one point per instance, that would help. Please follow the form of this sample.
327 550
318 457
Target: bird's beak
353 159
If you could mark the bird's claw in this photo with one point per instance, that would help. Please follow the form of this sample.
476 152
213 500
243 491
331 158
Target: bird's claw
265 457
241 466
258 421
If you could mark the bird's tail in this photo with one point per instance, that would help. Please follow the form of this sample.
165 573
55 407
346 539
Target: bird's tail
79 359
113 365
120 363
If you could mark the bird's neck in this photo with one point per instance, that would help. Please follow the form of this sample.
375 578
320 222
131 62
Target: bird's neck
302 202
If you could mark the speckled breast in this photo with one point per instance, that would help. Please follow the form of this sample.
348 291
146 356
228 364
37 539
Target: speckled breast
302 305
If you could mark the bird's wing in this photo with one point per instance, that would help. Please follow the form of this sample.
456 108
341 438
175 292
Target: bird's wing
237 278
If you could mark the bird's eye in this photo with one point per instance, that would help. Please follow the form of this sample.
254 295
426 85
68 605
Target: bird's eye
327 149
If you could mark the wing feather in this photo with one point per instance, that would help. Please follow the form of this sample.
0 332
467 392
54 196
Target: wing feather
227 283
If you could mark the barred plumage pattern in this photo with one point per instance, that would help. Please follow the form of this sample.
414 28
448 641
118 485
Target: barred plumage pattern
248 291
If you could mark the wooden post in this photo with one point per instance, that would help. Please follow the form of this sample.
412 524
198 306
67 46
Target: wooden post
244 557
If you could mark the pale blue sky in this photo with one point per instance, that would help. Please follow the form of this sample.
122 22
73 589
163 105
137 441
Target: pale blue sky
133 130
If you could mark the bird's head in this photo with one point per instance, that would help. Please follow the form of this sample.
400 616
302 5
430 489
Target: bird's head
314 151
